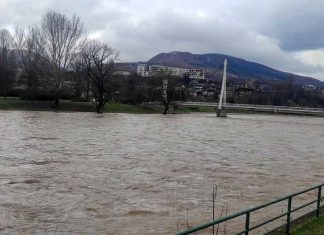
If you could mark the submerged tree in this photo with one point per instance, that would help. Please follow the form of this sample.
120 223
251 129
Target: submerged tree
99 60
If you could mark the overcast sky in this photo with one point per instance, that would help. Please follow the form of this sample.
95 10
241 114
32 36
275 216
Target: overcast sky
283 34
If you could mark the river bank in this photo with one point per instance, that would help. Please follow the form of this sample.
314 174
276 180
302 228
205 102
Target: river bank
313 226
15 103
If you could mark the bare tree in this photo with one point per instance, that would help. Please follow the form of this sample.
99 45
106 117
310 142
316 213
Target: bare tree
60 38
81 83
99 60
6 60
30 59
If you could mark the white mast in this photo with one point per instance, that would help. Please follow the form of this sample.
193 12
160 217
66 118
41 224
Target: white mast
222 97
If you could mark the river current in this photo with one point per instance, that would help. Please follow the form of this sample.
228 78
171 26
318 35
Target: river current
84 173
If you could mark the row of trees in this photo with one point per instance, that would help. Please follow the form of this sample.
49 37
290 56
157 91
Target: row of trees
283 93
47 55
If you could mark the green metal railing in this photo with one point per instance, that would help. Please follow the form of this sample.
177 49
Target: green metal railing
285 227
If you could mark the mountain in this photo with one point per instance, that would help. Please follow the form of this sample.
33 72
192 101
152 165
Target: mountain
237 68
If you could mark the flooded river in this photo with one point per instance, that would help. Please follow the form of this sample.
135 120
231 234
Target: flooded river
84 173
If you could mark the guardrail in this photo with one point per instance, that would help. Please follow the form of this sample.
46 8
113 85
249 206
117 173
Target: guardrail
247 214
248 105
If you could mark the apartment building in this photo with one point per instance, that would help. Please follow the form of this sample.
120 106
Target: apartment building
197 74
145 70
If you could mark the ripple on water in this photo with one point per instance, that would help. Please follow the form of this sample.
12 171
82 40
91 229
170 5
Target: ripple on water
82 172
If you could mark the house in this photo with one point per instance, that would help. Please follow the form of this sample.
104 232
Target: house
230 91
211 91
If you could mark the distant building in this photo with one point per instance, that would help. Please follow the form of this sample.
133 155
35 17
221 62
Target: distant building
122 74
244 90
309 88
197 74
145 70
230 91
211 91
142 70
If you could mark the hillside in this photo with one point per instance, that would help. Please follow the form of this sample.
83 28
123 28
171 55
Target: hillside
237 68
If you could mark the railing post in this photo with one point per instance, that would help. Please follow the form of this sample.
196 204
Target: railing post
319 196
288 216
247 223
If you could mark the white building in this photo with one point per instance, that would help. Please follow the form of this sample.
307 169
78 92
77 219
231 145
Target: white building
197 74
145 70
142 70
310 87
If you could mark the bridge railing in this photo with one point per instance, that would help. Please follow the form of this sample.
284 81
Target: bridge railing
286 227
253 107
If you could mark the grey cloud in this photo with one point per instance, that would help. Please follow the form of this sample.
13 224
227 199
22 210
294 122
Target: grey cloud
167 30
297 25
262 31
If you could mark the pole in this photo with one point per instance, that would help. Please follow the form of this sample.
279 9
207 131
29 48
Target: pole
288 216
247 223
319 196
223 87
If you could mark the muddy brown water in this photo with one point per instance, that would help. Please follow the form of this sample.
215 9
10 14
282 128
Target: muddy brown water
83 173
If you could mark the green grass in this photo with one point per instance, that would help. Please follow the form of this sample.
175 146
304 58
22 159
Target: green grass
14 103
196 109
313 227
114 107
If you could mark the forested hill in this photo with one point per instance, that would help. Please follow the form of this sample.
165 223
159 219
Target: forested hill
237 67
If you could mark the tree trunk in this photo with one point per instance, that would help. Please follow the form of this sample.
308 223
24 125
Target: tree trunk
166 107
5 88
100 107
88 88
34 94
56 101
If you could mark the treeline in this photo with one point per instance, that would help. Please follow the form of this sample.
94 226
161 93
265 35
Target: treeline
55 60
283 93
51 58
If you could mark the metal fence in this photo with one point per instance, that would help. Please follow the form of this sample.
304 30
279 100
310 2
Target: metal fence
247 213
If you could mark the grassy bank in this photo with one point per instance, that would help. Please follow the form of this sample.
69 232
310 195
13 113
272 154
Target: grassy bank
195 109
13 103
313 227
